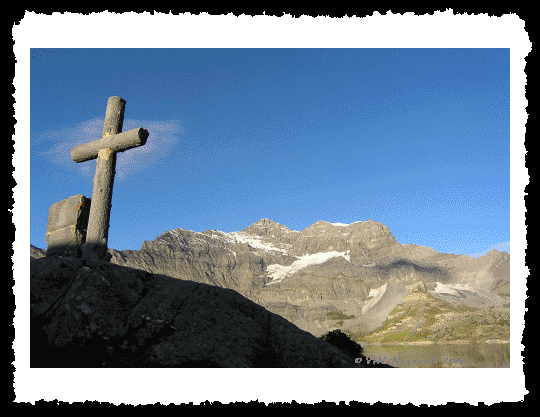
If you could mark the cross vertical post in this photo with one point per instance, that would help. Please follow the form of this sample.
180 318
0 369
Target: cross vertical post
105 149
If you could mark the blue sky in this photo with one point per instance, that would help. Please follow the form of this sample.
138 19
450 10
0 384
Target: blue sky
417 139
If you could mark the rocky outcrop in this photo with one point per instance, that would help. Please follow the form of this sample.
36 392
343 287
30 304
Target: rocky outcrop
98 314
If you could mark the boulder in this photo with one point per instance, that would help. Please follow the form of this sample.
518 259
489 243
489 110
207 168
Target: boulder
67 224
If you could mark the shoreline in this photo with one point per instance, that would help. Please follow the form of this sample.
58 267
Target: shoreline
431 342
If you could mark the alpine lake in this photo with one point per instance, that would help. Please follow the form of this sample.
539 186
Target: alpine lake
447 355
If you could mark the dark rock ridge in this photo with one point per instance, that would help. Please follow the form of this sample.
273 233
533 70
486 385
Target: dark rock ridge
98 314
319 278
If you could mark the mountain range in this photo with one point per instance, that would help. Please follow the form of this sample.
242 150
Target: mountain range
354 277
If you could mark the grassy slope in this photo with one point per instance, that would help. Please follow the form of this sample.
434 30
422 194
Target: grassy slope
423 317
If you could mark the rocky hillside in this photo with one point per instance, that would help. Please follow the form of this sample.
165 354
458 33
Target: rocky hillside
98 314
326 276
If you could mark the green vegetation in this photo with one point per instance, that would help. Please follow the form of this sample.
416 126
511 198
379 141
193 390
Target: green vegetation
438 320
387 324
405 336
339 316
462 309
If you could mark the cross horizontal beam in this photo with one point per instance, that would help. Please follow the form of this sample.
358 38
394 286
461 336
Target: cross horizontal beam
117 143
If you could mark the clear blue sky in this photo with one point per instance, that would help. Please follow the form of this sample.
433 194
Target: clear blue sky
417 139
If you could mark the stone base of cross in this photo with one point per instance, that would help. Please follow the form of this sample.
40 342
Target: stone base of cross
104 150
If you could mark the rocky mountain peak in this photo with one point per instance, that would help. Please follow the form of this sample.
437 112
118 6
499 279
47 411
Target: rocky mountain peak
268 228
320 223
265 223
370 233
321 226
492 256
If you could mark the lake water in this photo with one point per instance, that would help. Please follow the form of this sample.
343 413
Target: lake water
472 355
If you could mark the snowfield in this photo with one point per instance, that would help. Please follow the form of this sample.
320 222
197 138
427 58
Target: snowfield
280 272
374 296
451 289
345 224
253 241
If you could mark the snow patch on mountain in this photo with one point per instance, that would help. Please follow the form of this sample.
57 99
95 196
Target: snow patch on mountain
344 224
463 294
280 272
451 289
374 296
253 241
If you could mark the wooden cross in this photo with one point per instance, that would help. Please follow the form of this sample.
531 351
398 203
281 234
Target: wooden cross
105 149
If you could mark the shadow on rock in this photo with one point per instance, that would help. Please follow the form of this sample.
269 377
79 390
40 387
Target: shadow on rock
97 314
